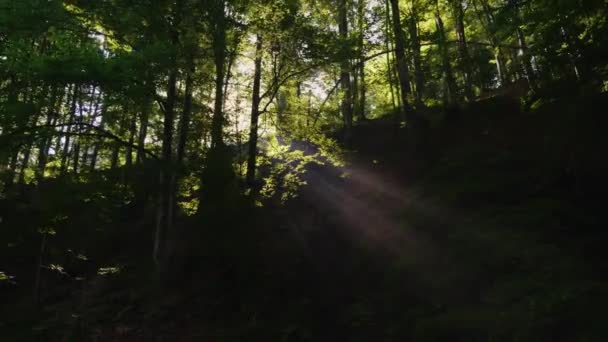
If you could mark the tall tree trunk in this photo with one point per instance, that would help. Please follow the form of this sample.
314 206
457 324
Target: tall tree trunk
488 24
143 130
525 57
28 149
102 123
355 90
61 118
68 130
219 58
11 163
184 122
10 172
417 126
402 71
92 110
228 74
361 66
389 49
255 113
346 106
452 89
572 52
114 159
78 131
463 49
45 143
308 109
165 208
415 44
129 147
524 54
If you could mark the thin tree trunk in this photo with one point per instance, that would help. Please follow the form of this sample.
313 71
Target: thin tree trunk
104 110
416 124
185 118
219 48
45 143
28 148
346 107
452 89
9 179
66 145
523 47
69 97
11 165
463 49
129 147
143 130
362 85
309 109
166 186
231 58
415 44
488 24
402 71
76 149
92 113
114 159
389 47
571 52
355 91
255 113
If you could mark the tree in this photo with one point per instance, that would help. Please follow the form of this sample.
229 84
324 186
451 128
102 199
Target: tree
255 112
347 98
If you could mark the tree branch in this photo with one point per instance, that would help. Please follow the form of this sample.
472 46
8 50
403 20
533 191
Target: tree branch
101 133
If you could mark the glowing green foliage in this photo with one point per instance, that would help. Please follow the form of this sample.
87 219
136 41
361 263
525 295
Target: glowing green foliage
110 270
5 277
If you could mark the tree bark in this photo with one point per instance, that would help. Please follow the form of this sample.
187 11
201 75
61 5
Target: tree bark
28 148
402 71
96 147
71 115
129 147
452 89
76 148
389 47
116 148
346 106
255 113
415 44
219 58
143 130
45 143
92 110
165 202
523 46
186 113
362 85
488 24
572 52
463 49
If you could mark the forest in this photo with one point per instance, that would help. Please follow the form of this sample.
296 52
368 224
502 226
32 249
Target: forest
303 170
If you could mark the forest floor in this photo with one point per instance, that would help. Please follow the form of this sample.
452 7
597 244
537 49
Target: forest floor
480 244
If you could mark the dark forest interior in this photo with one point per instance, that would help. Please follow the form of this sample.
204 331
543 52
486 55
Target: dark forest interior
303 170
